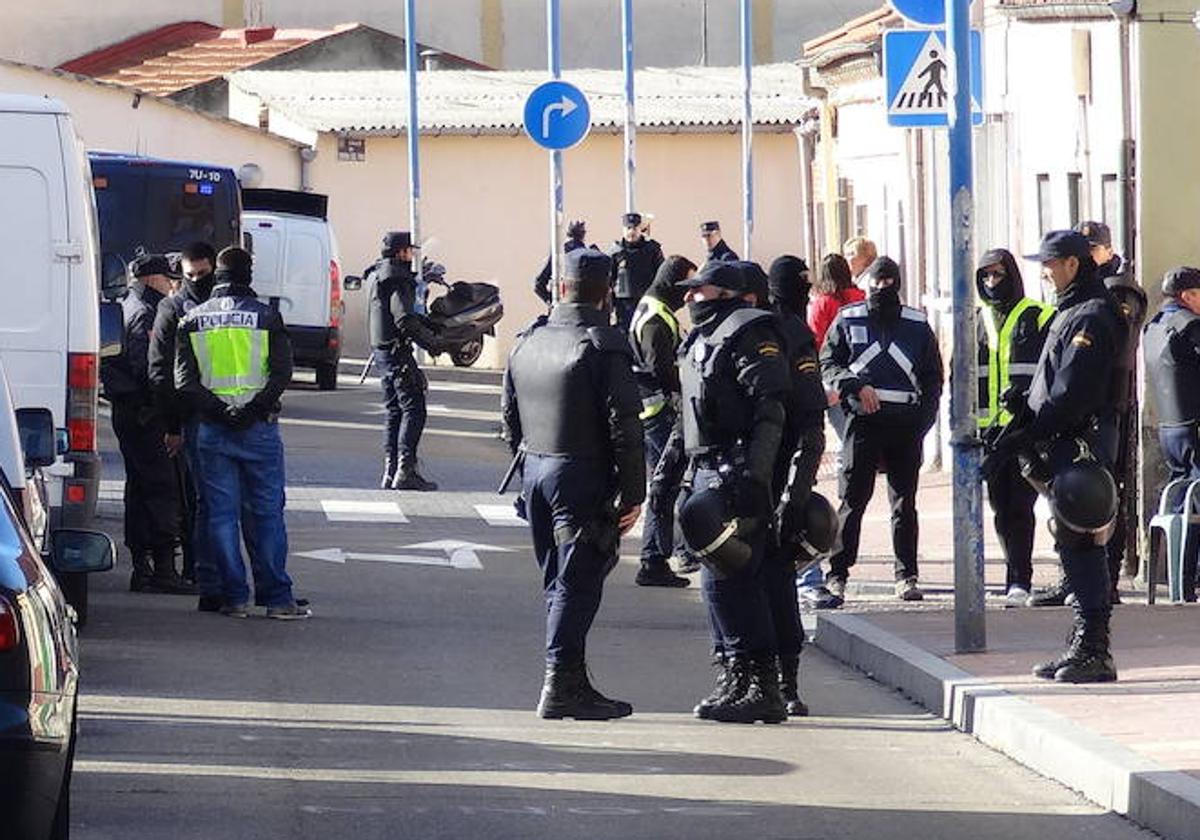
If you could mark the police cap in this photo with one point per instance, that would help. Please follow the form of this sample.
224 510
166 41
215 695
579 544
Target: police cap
587 264
1097 233
147 265
1060 244
710 227
719 273
631 219
1180 279
754 280
396 240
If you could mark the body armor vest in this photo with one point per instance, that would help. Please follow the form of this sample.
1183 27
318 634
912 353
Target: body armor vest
1173 367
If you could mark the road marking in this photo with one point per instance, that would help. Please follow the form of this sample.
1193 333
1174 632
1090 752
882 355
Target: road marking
359 510
376 428
458 555
461 555
438 410
500 516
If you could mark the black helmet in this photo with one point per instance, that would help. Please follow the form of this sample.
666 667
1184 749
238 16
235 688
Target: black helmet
711 532
813 530
1083 497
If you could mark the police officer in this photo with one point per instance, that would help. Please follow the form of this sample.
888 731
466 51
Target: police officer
197 263
395 323
883 360
571 406
654 336
1099 236
1172 349
735 385
576 234
635 262
1010 334
151 489
714 243
1072 425
233 362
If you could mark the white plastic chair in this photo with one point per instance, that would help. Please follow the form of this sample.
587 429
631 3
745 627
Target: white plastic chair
1174 528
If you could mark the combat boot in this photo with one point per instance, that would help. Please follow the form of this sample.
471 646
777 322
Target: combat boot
165 579
1046 670
725 683
761 699
789 686
1055 596
407 478
389 473
566 693
1089 660
143 571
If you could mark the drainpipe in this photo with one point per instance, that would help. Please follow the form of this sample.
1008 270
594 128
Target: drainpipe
808 221
307 155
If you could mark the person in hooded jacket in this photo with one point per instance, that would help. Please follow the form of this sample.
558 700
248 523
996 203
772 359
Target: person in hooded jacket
576 234
883 360
396 322
654 335
1011 331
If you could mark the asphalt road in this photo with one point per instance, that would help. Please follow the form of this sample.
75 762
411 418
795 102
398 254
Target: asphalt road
404 707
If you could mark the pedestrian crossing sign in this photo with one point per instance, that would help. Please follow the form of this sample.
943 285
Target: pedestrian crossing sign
917 69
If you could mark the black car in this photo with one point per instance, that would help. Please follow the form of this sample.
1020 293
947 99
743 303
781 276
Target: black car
39 665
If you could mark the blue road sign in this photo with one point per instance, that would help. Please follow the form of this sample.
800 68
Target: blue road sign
557 115
923 12
918 76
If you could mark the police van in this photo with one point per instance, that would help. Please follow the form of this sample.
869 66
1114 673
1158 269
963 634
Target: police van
297 271
50 323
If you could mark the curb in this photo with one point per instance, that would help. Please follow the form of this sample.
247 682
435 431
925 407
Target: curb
1108 774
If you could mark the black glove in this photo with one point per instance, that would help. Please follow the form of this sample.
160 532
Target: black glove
751 497
239 418
659 498
1004 447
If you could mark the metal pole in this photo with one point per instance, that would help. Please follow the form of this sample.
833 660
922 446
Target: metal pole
970 632
553 60
630 110
747 23
414 144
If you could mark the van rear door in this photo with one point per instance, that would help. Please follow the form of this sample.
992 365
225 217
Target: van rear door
291 266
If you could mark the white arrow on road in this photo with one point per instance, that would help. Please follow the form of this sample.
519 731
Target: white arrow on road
459 555
565 106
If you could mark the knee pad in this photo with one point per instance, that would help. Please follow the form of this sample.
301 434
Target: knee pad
1067 537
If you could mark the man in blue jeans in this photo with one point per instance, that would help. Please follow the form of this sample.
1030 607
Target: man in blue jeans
233 362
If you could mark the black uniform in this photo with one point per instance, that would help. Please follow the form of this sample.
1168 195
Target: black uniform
1172 349
890 347
151 488
541 283
722 252
396 322
571 406
1011 330
634 266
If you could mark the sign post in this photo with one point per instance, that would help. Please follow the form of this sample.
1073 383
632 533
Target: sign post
554 62
630 112
747 23
414 143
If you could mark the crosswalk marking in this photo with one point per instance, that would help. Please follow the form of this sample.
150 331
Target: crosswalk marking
502 516
358 510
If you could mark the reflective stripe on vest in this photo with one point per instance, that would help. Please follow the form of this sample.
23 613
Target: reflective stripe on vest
1000 368
649 307
233 362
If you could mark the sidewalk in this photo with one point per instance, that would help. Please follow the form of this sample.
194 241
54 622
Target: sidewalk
1131 746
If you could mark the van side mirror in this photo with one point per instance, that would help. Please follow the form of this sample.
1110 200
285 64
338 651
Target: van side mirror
38 437
81 551
352 283
112 329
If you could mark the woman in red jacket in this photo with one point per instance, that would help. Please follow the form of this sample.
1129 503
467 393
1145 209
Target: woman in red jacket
834 289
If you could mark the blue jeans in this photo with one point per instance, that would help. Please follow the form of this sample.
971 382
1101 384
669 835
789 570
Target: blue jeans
208 577
658 530
243 476
812 577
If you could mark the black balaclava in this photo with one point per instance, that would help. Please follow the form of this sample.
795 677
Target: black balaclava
201 287
788 284
884 301
724 275
673 270
1008 291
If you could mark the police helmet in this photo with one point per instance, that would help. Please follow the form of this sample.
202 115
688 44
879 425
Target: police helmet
1083 497
711 532
818 527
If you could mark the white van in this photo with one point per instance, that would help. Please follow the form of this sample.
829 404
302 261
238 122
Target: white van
50 320
297 271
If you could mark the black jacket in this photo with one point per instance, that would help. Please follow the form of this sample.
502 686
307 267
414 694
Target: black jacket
634 266
722 252
541 283
393 312
279 363
569 391
170 403
1172 348
126 377
655 347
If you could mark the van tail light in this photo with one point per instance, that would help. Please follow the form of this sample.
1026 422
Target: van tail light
10 630
335 295
83 380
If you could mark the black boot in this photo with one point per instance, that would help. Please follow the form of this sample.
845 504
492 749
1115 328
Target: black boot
1089 660
143 571
1046 670
165 579
389 473
407 478
761 699
1055 596
789 686
659 574
724 685
566 693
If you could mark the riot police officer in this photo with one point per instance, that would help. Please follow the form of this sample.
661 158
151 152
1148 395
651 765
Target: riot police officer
714 243
151 488
576 236
1070 438
1010 333
396 321
635 262
571 406
1172 349
654 336
735 385
883 360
